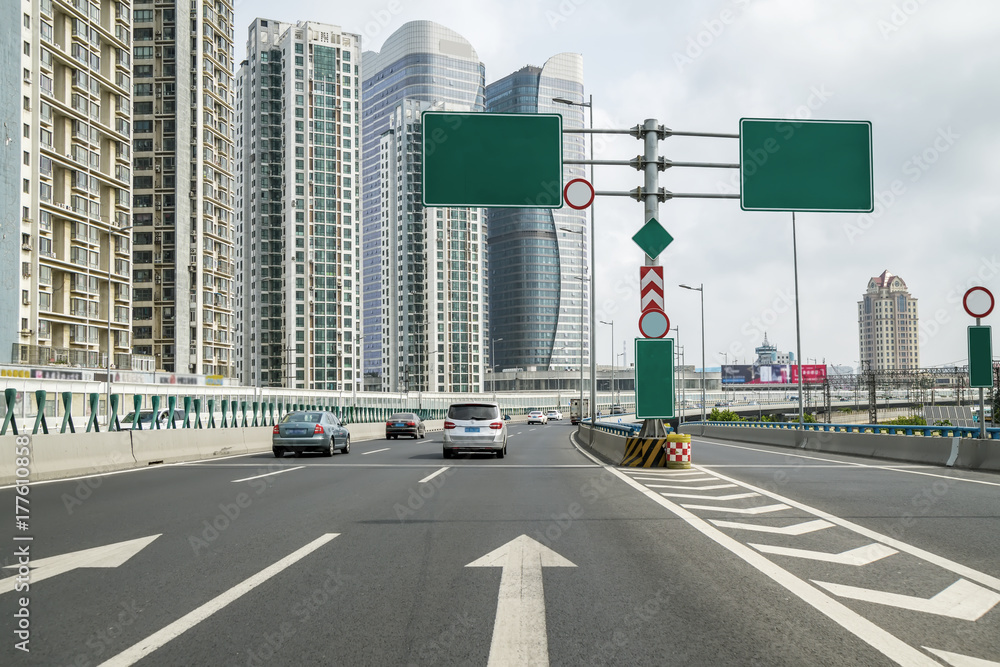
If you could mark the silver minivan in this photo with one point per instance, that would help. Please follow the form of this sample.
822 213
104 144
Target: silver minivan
475 427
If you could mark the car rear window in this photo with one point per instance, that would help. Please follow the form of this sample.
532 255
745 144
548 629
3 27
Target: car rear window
402 417
311 417
473 411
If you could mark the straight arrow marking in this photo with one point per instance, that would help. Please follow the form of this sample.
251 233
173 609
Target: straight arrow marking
740 510
519 634
860 556
794 530
958 660
110 555
700 496
963 600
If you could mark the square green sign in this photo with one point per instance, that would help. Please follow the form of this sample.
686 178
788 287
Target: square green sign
806 165
653 238
654 378
980 357
489 159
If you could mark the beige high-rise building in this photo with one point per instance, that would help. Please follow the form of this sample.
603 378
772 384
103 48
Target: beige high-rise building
888 325
73 274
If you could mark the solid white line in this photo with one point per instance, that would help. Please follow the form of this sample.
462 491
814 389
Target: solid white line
893 468
940 561
433 475
376 451
137 652
887 644
959 660
268 474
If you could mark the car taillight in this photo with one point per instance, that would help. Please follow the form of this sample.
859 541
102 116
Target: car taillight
389 423
275 430
411 423
318 429
496 425
449 425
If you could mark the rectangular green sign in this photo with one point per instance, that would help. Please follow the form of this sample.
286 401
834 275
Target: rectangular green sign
806 165
488 159
654 378
980 357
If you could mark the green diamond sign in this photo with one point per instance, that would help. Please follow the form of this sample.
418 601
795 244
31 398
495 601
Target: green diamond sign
653 238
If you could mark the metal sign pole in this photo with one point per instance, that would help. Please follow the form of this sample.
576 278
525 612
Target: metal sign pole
798 331
982 403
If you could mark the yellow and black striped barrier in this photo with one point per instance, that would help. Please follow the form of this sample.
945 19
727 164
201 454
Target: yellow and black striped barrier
645 453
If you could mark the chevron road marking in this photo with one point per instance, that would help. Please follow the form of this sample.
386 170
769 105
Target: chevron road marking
963 600
860 556
733 496
957 660
710 487
661 478
795 529
672 475
740 510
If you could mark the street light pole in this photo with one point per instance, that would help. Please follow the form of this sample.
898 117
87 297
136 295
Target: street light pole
701 288
612 324
111 307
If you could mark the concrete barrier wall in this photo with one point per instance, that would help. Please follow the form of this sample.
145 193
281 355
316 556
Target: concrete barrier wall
172 446
971 453
608 447
59 455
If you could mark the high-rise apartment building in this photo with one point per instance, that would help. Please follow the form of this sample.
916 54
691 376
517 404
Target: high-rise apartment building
69 255
298 174
182 196
888 325
537 268
424 269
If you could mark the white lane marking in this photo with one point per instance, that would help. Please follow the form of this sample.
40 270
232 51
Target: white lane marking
884 642
951 566
666 473
519 634
740 510
701 496
710 487
958 660
110 555
900 468
712 466
693 480
433 475
267 474
794 529
860 556
138 651
954 452
375 451
963 600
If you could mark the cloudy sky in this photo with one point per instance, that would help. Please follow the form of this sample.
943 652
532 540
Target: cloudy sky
924 72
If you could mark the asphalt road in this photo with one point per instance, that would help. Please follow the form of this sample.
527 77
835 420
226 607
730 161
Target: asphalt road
758 556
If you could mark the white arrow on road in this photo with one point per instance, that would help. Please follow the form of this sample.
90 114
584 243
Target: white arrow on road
519 635
111 555
963 600
860 556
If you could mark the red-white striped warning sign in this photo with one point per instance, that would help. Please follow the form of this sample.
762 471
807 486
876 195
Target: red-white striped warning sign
651 287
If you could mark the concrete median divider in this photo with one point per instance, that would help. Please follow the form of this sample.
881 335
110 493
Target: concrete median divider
608 447
59 455
163 446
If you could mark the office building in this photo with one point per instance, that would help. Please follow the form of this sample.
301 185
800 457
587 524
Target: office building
67 104
539 302
767 354
888 325
182 197
424 269
298 175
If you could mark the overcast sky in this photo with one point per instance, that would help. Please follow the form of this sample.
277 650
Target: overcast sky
925 73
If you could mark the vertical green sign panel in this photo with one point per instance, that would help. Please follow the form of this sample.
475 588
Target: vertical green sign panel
806 165
486 159
654 378
980 357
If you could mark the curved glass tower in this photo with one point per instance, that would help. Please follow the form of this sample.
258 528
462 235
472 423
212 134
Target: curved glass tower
423 269
538 301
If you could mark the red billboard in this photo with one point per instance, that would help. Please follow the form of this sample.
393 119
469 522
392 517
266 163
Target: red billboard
773 374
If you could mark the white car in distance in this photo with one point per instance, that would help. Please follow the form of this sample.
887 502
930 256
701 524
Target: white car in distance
537 417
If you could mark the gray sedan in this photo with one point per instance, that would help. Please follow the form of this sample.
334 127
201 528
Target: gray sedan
311 431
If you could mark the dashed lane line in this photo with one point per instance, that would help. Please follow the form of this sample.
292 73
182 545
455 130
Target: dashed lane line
268 474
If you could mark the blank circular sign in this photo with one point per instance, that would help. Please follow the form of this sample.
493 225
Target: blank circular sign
578 193
978 301
653 323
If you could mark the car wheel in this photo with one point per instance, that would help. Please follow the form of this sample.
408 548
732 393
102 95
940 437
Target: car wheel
329 448
347 445
278 452
501 452
447 453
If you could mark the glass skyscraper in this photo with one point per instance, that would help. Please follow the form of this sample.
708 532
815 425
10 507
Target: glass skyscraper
424 269
538 303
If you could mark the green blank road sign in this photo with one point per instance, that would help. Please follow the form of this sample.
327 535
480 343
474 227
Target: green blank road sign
654 378
487 159
980 357
805 165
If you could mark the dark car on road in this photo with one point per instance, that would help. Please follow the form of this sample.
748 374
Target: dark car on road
404 423
310 431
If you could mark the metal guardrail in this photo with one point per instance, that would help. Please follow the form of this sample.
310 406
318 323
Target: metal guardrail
888 429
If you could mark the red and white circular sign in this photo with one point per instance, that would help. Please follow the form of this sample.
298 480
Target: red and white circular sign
978 301
578 193
654 323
